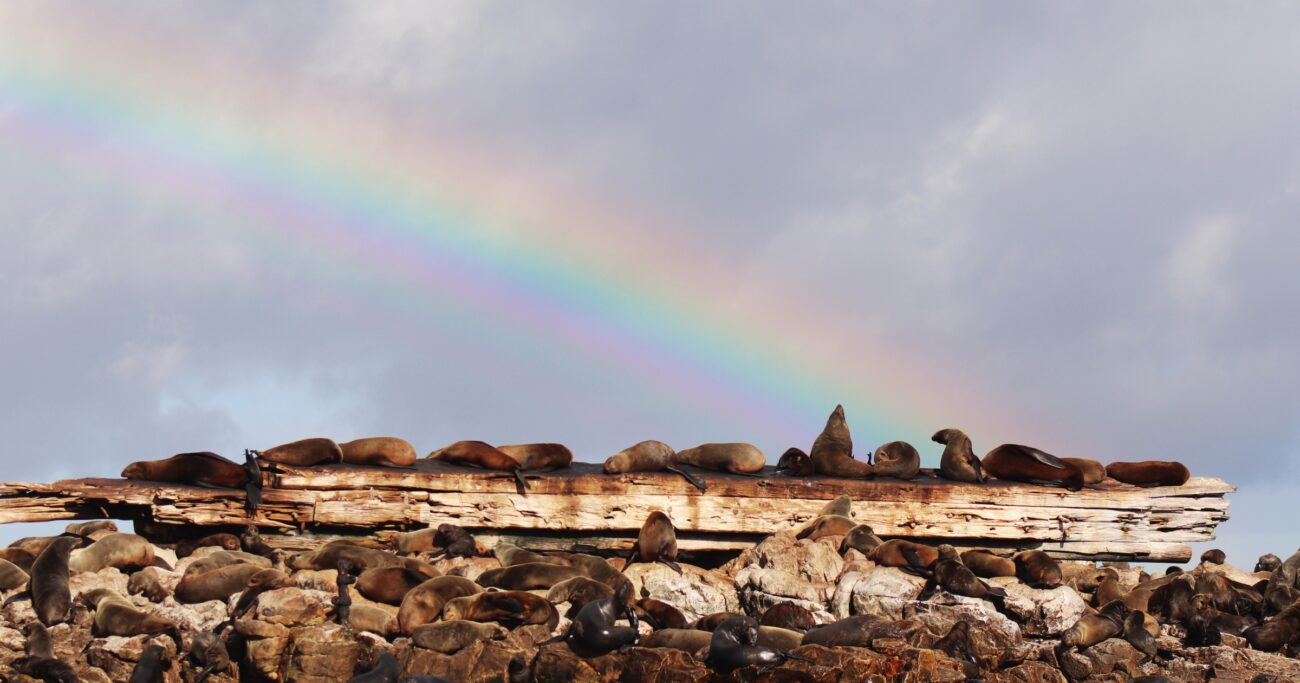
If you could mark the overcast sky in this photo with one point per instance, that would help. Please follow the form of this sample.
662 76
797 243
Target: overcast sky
1071 224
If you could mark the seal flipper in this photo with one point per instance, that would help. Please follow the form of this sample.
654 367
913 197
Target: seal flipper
672 565
689 477
1043 457
522 481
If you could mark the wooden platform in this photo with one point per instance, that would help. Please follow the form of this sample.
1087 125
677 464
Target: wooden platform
583 507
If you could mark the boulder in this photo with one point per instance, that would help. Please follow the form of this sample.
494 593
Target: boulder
117 656
1042 612
320 654
696 592
886 591
110 578
479 662
292 606
1113 655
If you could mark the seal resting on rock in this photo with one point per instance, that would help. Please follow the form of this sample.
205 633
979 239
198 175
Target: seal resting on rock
736 458
481 455
898 459
649 456
1149 473
1013 462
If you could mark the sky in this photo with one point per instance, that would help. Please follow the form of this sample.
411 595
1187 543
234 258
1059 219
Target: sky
1071 225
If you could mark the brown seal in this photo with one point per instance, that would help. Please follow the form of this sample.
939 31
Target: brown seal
328 557
89 529
648 456
827 525
1214 556
842 506
23 559
898 459
1036 568
789 616
956 644
956 578
780 639
959 462
657 541
1013 462
1091 629
304 452
597 568
194 469
509 554
832 452
222 540
379 451
389 584
795 463
736 458
578 591
689 640
450 637
1093 472
862 539
122 551
1278 632
527 576
540 456
481 455
12 576
987 565
859 631
116 616
214 584
1149 473
40 662
709 622
424 603
145 582
1266 563
1107 591
660 614
225 558
149 668
51 597
904 554
509 608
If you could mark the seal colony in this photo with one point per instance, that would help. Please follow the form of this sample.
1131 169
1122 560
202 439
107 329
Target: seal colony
826 600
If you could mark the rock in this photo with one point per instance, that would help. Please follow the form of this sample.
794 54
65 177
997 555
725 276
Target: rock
291 606
1028 672
320 654
479 662
263 656
252 628
324 580
1042 612
111 578
841 604
845 664
1109 656
200 616
117 656
782 569
696 592
760 588
886 592
646 665
558 663
468 567
166 555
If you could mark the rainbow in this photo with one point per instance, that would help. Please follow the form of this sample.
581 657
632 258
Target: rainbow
428 223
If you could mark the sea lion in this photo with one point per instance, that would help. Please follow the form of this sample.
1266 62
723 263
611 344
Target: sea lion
481 455
509 554
1278 632
385 670
709 622
23 559
1093 472
898 459
660 614
251 542
841 505
527 576
689 640
827 525
788 615
648 456
862 539
593 631
209 651
146 583
832 451
959 462
1108 590
1149 473
1036 568
1217 589
657 541
795 463
956 644
87 529
1266 562
424 603
303 452
779 639
39 662
203 469
1091 629
222 540
214 584
450 637
51 598
987 565
378 451
540 456
578 591
328 557
149 668
225 558
389 584
904 555
736 458
369 618
509 608
123 551
1214 556
597 568
260 582
116 616
956 578
734 645
1013 462
12 576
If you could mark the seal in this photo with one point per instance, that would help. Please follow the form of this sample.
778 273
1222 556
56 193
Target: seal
648 456
372 619
956 644
1136 634
40 662
1014 462
1214 556
1276 633
222 540
146 583
862 539
788 615
90 529
389 584
202 469
12 576
214 584
384 671
897 459
578 591
958 462
251 542
734 645
1091 629
23 559
987 565
509 554
51 597
539 456
450 637
1037 569
527 576
378 451
779 639
657 541
424 603
832 451
593 632
328 557
122 551
736 458
225 558
455 542
208 650
149 668
1266 563
260 582
303 452
481 455
842 506
1093 472
509 608
1108 590
827 525
691 640
597 568
116 616
709 622
904 555
795 463
660 614
956 578
1149 473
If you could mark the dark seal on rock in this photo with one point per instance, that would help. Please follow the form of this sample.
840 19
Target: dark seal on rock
795 463
481 455
51 597
898 459
1149 473
1013 462
539 456
735 645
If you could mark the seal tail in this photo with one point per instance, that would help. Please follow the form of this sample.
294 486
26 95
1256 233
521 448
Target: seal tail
695 481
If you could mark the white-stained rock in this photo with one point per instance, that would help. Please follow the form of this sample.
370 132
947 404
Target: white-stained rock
1042 612
199 616
292 606
111 578
696 592
886 591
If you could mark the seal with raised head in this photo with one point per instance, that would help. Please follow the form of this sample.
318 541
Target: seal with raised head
1036 568
987 565
454 541
1214 556
827 525
832 451
734 645
51 597
209 651
795 463
898 459
593 630
482 455
736 458
578 591
1137 635
202 469
657 541
40 662
648 456
146 583
379 451
304 452
1149 473
959 462
539 456
122 551
1093 472
956 644
1267 563
1013 462
424 603
450 637
1091 629
862 539
956 578
841 505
